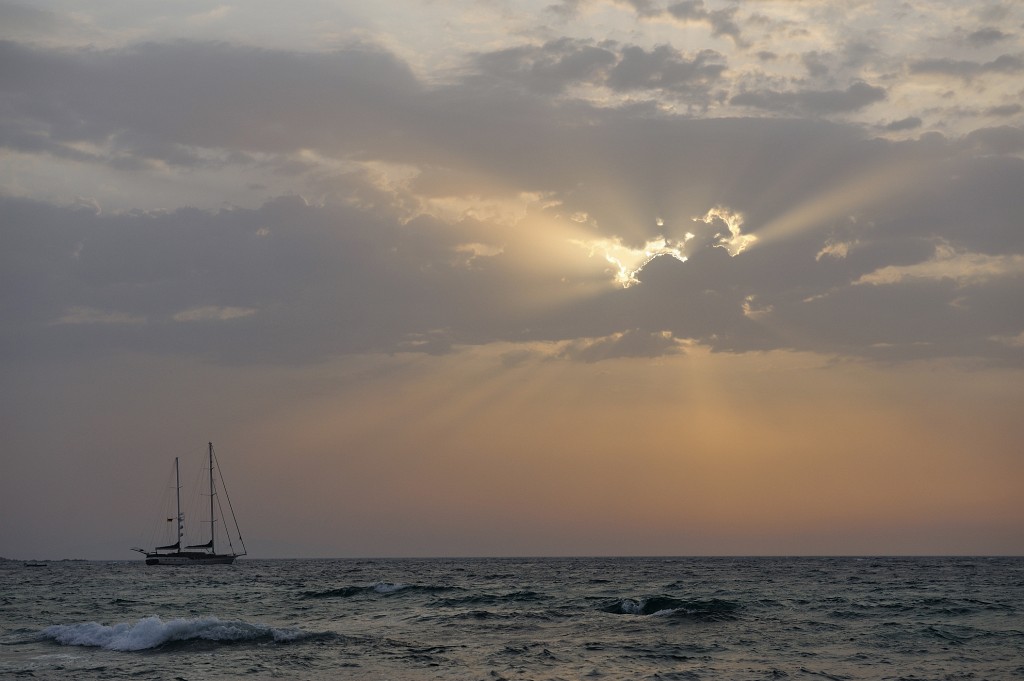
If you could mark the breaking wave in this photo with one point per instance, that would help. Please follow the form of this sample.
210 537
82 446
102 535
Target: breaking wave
153 632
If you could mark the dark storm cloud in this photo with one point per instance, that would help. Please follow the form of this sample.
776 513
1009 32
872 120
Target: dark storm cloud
292 281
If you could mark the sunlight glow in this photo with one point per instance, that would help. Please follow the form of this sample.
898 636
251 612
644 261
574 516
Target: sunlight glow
736 242
835 249
752 309
629 262
871 187
472 251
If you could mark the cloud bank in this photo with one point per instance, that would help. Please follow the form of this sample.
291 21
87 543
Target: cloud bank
365 204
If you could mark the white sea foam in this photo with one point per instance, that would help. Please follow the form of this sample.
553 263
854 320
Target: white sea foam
151 632
387 588
667 611
631 607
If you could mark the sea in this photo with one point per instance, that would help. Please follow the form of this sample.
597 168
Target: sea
514 618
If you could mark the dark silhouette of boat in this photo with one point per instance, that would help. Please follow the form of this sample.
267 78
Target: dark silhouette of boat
197 554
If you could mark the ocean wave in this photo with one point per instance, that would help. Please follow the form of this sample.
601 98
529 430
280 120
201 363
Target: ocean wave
666 606
389 588
153 632
489 599
342 592
380 588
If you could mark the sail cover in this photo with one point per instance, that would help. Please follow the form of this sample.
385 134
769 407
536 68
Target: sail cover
207 545
176 545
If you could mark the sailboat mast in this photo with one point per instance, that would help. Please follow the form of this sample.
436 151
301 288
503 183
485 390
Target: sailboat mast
212 533
177 496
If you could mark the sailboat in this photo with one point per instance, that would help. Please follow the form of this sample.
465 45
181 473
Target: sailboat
197 554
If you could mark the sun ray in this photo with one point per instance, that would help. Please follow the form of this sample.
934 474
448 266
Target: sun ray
871 187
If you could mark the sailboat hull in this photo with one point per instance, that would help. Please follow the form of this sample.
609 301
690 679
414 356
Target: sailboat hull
189 559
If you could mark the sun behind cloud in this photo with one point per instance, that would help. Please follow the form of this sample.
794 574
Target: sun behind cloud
628 262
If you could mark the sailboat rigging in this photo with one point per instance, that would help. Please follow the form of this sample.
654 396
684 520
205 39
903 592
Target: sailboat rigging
197 554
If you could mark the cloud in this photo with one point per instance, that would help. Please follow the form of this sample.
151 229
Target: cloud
565 9
721 21
452 213
735 242
1004 64
857 96
627 344
216 313
1006 110
988 35
627 262
551 67
998 140
834 249
568 9
908 123
948 263
1016 341
477 250
665 68
146 102
556 65
357 273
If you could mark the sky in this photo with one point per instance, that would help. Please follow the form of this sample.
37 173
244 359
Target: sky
515 278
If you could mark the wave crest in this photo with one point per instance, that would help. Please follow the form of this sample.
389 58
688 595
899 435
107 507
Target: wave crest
713 609
380 589
152 632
